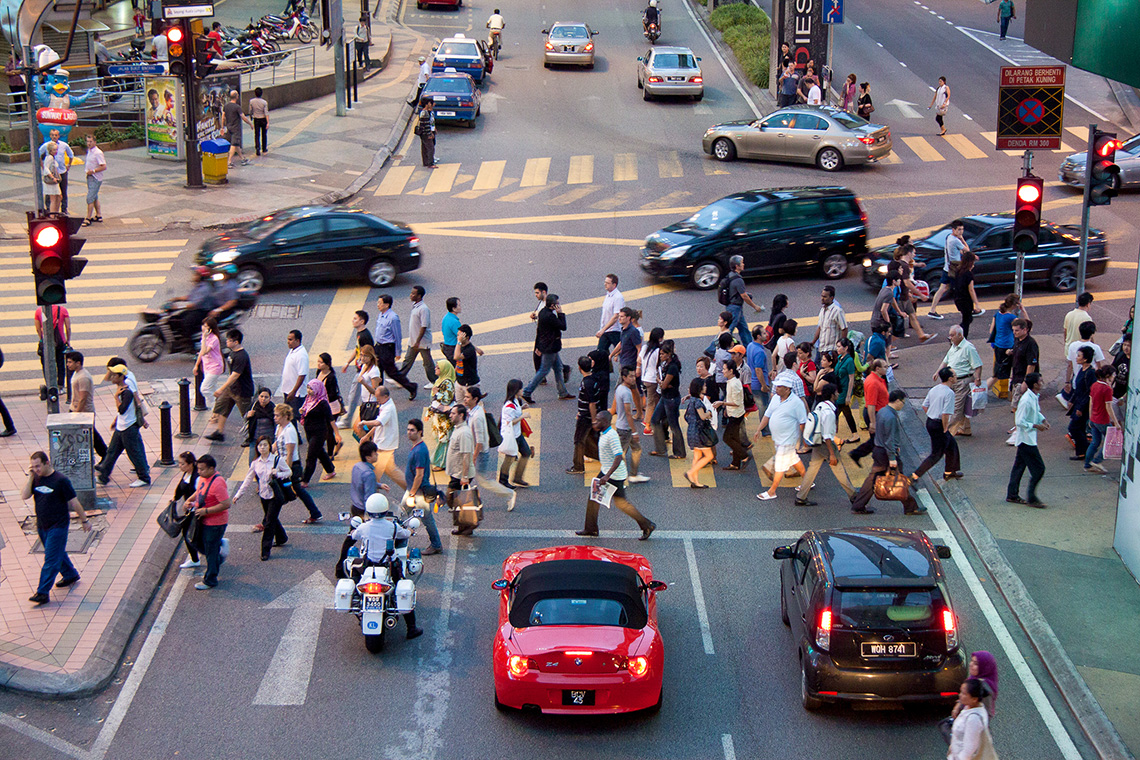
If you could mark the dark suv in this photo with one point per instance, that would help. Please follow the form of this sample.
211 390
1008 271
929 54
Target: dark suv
871 617
777 231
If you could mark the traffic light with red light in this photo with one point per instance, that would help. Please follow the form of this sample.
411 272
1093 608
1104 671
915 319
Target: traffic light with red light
179 49
1027 214
1103 173
53 252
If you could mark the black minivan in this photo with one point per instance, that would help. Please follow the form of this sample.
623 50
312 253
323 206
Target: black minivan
871 617
777 231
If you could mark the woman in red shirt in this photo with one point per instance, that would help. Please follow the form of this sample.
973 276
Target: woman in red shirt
1101 414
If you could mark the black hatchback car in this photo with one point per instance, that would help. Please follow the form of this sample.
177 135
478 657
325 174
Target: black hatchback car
777 231
990 237
312 244
871 617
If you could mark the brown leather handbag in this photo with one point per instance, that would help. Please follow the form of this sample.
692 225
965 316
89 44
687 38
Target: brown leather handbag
892 486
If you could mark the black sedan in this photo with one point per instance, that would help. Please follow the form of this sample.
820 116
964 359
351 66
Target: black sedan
990 237
314 243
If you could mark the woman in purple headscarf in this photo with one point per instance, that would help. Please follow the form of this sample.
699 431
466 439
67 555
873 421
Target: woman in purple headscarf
316 416
983 666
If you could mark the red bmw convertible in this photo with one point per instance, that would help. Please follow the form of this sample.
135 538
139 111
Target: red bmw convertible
578 632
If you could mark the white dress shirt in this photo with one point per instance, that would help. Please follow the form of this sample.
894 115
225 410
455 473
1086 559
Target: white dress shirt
296 365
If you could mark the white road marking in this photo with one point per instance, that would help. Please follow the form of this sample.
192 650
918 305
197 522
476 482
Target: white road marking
967 117
1036 694
879 44
724 64
699 596
286 680
903 65
43 737
729 750
859 27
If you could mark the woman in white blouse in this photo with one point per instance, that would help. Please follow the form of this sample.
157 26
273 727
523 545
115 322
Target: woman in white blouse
514 445
971 726
263 469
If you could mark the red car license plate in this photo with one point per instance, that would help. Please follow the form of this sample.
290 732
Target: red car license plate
577 697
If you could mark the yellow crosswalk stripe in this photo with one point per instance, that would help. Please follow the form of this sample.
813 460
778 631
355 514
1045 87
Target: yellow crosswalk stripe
77 328
573 195
581 170
91 311
395 180
669 165
625 167
441 179
489 176
25 272
991 138
521 195
668 200
713 168
535 172
104 282
614 200
336 330
98 245
94 256
891 158
962 144
116 295
923 149
81 343
1081 133
29 365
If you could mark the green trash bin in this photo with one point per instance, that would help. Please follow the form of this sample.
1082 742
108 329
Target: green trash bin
215 161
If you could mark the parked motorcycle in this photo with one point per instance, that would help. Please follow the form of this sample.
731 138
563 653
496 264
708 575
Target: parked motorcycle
371 591
163 332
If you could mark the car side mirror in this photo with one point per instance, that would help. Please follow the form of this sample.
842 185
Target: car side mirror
546 31
782 552
657 585
501 585
593 33
698 59
943 552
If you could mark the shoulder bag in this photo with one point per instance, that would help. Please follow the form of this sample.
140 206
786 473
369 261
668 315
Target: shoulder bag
283 490
891 486
494 437
169 520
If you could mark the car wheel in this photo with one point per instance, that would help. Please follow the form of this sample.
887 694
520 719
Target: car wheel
784 605
706 275
835 266
640 86
147 345
420 6
471 124
374 642
829 159
723 149
809 702
1063 277
381 273
646 96
250 278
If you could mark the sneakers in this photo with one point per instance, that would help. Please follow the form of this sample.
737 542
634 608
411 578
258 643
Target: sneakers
224 552
38 599
344 424
430 551
638 479
1061 400
932 315
647 430
202 586
1091 468
511 502
140 483
190 563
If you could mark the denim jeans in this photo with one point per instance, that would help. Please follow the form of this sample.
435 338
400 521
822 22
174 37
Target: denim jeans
1095 452
303 494
762 399
210 544
56 560
427 504
549 362
129 440
739 323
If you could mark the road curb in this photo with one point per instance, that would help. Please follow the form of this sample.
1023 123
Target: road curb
1083 706
763 98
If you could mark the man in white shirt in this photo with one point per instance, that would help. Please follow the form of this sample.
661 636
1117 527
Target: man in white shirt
159 44
294 374
815 95
939 406
786 415
827 451
612 471
1028 420
419 336
1086 331
385 431
610 333
125 434
421 80
486 459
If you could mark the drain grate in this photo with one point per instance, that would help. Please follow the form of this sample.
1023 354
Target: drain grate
78 542
276 311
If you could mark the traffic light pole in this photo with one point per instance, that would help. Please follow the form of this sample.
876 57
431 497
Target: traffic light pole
30 72
48 326
193 155
1019 280
1082 262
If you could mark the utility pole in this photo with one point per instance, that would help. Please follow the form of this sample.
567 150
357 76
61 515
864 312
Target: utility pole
30 71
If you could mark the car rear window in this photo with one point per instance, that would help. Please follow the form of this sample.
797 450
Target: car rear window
458 48
675 61
885 607
452 85
568 32
840 209
582 610
849 120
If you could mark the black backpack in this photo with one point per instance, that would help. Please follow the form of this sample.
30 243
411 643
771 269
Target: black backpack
722 296
494 438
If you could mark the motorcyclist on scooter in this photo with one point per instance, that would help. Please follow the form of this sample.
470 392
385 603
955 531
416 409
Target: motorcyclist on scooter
651 15
226 296
201 300
374 535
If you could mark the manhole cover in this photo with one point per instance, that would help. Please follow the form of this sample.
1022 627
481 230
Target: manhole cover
276 311
78 542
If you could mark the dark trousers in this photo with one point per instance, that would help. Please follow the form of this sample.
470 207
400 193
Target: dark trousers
261 135
585 442
129 440
210 544
863 449
448 351
362 59
56 561
938 118
882 463
303 493
967 313
191 546
666 414
6 418
386 361
1078 431
606 343
941 442
1027 456
427 149
845 410
424 352
317 451
272 529
621 503
1004 26
99 443
63 193
732 438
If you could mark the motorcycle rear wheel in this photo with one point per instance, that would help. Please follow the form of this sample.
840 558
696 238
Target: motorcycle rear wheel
374 642
147 345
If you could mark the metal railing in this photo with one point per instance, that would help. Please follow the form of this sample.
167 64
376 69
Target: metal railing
282 66
117 98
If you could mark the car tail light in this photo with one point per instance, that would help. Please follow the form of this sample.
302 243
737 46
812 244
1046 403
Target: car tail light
638 666
517 666
951 629
579 652
823 632
413 241
549 46
862 212
867 140
374 587
466 103
588 48
947 693
655 79
697 80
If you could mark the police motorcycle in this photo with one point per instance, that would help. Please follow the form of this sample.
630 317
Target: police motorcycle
652 28
378 591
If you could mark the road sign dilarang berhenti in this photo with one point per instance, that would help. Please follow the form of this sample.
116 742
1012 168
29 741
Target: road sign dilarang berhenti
1031 104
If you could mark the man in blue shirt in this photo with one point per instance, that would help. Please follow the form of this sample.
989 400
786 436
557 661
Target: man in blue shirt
63 158
421 493
389 339
364 478
757 358
449 326
877 343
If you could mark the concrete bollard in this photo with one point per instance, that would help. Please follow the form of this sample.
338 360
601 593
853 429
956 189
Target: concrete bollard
184 409
166 439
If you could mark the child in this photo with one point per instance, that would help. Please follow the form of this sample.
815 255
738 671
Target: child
140 21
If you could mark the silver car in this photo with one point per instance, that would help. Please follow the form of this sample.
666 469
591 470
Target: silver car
569 43
1072 170
670 71
826 136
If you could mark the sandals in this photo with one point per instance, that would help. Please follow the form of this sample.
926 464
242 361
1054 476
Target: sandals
328 476
98 219
87 223
336 448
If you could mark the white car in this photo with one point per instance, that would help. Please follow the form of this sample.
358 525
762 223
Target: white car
670 71
1072 170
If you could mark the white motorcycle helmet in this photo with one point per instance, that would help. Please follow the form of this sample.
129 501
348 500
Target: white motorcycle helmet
652 3
377 504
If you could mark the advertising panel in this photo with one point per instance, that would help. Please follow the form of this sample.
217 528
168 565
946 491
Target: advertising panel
163 118
213 94
1126 540
800 23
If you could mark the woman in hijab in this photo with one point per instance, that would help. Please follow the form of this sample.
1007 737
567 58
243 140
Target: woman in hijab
442 399
983 667
316 416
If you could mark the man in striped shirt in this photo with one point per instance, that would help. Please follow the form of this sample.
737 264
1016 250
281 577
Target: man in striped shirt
612 471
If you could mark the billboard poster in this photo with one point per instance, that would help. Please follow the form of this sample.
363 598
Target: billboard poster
801 24
1126 540
213 94
163 117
